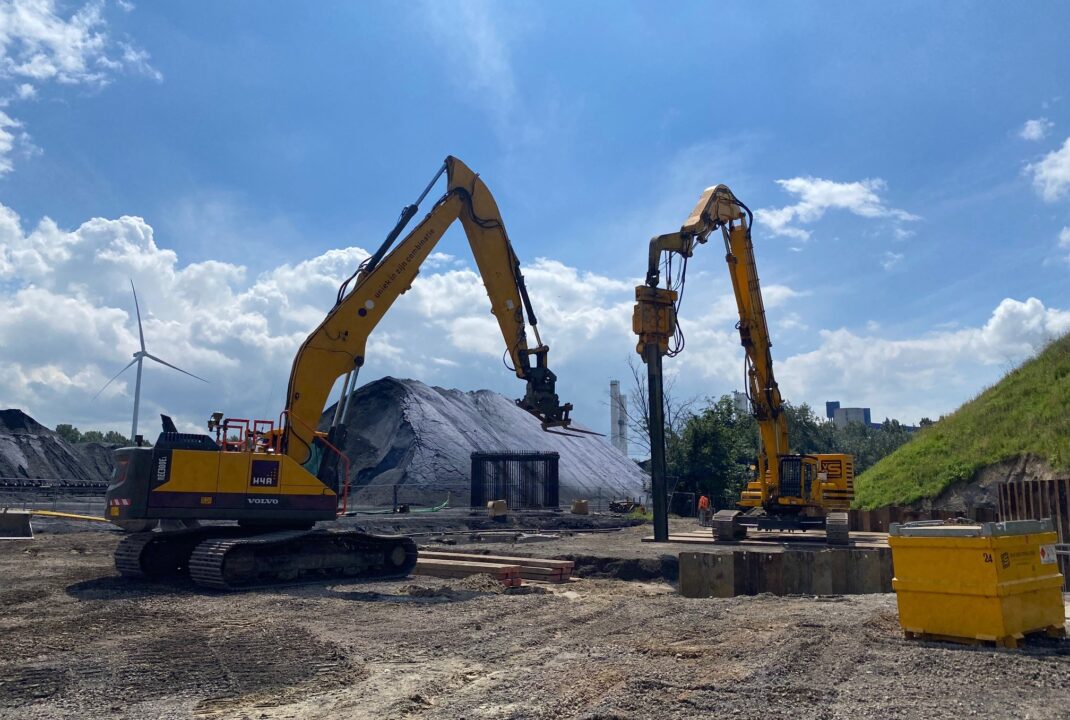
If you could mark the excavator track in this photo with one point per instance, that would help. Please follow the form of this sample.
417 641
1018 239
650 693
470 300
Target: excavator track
837 529
726 526
157 555
292 556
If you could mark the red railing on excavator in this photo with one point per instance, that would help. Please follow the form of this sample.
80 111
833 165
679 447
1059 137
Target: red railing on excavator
344 504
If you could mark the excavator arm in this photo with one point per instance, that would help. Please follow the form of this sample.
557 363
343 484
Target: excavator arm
338 346
655 321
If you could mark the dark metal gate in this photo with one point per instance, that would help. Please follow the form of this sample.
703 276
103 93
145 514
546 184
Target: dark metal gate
523 480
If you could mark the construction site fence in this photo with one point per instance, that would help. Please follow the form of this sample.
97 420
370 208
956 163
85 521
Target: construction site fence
55 498
526 481
1039 500
70 487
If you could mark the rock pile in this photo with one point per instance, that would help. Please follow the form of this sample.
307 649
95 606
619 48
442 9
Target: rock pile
30 451
421 438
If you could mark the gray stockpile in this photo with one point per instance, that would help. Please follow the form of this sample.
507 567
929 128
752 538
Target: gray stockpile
30 451
421 438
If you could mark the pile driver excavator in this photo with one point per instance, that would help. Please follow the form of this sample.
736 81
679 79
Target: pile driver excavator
276 480
789 491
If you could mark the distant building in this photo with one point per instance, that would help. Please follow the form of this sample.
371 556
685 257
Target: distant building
831 407
618 417
841 417
741 403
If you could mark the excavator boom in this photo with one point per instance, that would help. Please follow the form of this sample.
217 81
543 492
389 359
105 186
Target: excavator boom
786 484
337 347
276 482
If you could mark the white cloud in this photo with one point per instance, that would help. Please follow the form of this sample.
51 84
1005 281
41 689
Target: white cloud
1035 130
68 326
891 259
816 195
473 36
7 141
1064 241
926 376
1051 175
39 43
42 42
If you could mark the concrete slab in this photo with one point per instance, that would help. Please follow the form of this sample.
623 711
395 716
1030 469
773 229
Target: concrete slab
711 575
746 571
814 539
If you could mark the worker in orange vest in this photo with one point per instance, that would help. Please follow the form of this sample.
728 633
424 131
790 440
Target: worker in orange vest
704 509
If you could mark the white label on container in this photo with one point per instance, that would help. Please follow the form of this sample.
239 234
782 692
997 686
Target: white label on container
1047 554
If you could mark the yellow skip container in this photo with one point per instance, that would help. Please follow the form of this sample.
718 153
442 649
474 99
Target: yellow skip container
994 581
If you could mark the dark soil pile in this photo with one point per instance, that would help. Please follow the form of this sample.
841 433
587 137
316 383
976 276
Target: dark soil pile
402 432
30 451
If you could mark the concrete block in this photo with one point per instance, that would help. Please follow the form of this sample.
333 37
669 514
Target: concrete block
864 572
704 574
497 508
798 572
580 507
887 570
769 576
830 572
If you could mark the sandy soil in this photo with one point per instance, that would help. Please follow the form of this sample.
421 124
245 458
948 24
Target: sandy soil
77 641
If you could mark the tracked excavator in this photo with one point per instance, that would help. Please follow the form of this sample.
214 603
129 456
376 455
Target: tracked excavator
274 479
790 491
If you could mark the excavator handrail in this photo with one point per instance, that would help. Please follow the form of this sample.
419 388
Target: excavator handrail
345 458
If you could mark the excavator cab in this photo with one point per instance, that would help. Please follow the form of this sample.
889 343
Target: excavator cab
797 476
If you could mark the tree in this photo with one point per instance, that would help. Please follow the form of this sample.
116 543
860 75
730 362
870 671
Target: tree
69 433
677 411
807 431
93 436
113 437
715 451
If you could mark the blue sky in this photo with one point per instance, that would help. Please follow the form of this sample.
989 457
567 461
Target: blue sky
906 161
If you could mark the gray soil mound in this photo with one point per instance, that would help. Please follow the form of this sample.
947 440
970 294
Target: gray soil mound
30 451
421 438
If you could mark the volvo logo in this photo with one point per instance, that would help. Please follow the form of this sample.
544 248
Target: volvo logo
262 501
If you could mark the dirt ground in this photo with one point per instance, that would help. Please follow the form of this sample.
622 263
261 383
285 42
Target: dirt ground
77 641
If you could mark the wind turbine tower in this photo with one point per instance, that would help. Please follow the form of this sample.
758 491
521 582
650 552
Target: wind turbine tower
139 358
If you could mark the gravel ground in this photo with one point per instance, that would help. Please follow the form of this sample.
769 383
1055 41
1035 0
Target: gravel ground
77 641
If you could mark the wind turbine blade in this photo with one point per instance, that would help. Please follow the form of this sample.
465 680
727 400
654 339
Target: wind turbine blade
173 367
113 379
140 332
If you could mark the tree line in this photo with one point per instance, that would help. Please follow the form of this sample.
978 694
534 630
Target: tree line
73 435
713 449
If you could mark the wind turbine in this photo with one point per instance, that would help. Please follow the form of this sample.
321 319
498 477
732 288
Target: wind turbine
139 357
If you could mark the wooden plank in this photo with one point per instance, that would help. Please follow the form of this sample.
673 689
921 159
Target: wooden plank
464 568
473 557
465 565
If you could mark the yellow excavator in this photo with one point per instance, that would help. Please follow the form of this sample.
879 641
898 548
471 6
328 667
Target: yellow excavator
276 479
789 491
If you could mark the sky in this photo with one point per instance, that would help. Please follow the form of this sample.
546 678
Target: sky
908 164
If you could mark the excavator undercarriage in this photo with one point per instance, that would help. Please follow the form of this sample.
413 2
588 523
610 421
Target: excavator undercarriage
231 557
732 525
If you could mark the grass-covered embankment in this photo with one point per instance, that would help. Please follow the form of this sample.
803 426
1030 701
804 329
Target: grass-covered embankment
1026 413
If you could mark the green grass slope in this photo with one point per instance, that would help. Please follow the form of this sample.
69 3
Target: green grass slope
1027 412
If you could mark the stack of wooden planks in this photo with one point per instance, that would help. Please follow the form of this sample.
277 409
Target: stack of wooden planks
454 564
508 575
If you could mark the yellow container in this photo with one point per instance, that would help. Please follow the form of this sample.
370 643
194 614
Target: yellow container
993 581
